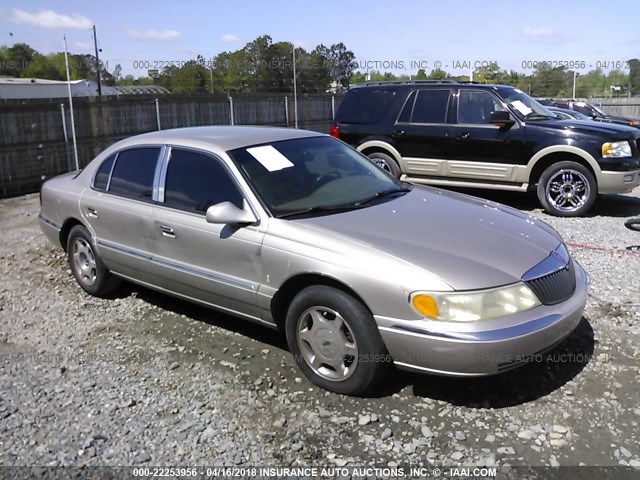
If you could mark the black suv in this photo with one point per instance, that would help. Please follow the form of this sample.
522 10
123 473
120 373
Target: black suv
488 136
590 111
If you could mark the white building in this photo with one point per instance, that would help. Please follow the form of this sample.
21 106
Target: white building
26 88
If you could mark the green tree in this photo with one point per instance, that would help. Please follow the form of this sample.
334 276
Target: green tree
634 76
438 74
551 82
421 75
342 65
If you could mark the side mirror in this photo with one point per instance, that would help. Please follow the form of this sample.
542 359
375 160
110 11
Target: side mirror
228 213
502 119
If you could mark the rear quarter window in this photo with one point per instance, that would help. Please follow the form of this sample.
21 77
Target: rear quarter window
365 105
101 180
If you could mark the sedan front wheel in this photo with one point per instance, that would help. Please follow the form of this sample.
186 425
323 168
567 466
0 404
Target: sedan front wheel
335 341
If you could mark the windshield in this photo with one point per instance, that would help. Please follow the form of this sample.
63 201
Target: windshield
314 175
524 106
588 109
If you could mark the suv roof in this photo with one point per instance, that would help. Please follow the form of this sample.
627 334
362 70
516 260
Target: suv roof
428 82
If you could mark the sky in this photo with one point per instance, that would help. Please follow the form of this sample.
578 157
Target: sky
384 35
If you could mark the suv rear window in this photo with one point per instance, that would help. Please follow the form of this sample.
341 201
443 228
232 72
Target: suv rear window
365 105
430 106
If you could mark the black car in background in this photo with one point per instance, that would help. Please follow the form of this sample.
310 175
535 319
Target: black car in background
566 114
456 134
591 111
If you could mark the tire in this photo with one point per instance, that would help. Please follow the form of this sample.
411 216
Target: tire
385 162
86 265
335 341
567 189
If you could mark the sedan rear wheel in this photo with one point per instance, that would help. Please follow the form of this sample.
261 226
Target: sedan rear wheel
567 189
86 265
335 341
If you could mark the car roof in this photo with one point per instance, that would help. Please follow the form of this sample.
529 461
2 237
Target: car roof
224 137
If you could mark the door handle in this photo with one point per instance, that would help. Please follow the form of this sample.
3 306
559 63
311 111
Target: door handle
397 133
92 212
167 231
464 136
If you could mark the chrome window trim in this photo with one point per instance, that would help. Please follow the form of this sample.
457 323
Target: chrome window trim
113 166
158 186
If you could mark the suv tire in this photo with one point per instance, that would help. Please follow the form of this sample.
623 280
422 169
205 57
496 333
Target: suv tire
385 162
567 189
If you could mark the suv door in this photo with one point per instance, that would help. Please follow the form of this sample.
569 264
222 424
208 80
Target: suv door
216 264
479 149
421 132
118 209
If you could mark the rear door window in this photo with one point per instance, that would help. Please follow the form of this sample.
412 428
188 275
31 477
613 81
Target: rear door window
365 105
431 106
133 173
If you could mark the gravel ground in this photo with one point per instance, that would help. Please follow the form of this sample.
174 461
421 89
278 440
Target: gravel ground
144 379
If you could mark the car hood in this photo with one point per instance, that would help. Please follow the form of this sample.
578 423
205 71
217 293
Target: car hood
616 118
467 242
588 126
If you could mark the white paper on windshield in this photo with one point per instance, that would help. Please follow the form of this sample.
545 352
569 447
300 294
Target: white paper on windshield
270 158
521 107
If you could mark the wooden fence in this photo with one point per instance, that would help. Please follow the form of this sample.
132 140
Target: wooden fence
35 142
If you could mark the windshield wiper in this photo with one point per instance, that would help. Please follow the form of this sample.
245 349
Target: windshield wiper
317 209
534 115
383 193
346 206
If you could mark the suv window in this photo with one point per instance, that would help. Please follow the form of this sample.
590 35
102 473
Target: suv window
134 171
475 106
365 105
101 180
196 181
430 106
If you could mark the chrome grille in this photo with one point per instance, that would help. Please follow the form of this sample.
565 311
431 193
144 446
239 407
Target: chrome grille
555 287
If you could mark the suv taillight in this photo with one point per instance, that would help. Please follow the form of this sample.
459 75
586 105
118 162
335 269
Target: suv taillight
334 131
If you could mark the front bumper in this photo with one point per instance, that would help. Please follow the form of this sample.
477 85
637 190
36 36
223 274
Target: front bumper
618 182
426 346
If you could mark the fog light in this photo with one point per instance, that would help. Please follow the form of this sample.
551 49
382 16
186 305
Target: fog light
628 178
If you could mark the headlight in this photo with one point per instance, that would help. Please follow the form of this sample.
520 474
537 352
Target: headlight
475 305
616 149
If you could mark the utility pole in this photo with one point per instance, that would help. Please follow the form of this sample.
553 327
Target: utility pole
95 44
295 89
73 124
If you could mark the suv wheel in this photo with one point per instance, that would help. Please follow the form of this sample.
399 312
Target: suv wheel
335 341
385 162
567 189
